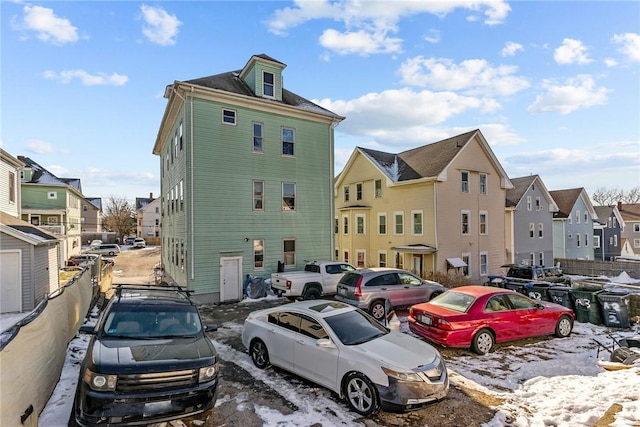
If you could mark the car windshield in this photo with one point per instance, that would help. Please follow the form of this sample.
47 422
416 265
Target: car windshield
153 321
453 300
355 327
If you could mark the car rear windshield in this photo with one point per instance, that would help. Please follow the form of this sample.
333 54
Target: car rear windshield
355 327
350 279
453 300
312 268
153 321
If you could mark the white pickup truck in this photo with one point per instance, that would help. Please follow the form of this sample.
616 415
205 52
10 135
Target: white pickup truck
318 278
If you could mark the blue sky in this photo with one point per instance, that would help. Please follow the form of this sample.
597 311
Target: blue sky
554 86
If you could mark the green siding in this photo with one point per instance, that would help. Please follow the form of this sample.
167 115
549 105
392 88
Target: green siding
224 167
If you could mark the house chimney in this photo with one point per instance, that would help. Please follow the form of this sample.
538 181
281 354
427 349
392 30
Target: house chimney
151 195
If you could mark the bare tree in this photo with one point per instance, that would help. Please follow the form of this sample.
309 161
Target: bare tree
611 196
120 217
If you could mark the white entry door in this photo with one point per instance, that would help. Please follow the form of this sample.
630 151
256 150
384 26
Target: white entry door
230 278
10 282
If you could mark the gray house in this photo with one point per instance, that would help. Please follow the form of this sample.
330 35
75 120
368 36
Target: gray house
28 264
246 179
573 224
529 222
607 229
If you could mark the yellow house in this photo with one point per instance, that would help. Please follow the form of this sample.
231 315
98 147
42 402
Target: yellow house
435 208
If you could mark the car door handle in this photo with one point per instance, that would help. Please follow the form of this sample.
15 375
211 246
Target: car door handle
384 289
301 342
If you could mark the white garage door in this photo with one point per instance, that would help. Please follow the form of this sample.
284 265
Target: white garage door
10 282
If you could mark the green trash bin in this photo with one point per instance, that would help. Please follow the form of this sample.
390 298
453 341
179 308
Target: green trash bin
586 305
539 291
561 295
615 309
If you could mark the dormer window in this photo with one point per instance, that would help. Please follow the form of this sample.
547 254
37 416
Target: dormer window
268 84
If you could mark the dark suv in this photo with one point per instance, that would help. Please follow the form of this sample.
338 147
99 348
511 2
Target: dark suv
148 361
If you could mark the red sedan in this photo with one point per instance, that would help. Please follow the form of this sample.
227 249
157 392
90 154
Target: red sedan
479 316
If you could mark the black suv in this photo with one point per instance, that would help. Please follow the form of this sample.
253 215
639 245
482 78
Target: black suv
148 360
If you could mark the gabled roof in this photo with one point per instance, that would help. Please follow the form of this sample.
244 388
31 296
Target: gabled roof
630 212
520 187
44 177
95 201
426 162
566 200
141 202
604 212
24 231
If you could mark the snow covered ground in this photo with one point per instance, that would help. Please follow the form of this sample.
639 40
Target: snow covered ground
549 382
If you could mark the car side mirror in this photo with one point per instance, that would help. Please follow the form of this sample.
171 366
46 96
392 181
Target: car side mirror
87 329
325 343
540 306
210 328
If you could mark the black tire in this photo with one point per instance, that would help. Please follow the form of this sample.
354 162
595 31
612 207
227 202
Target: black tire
259 354
564 327
311 293
482 342
361 394
377 310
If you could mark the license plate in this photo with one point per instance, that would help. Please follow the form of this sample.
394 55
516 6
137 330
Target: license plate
425 319
154 408
342 291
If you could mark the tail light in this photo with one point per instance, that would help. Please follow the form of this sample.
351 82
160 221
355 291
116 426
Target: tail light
442 324
358 291
288 284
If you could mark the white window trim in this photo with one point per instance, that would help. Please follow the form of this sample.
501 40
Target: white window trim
386 224
345 221
386 259
253 137
462 212
295 196
361 195
395 217
421 212
486 224
486 184
467 255
235 117
529 203
52 195
468 182
265 84
364 225
596 242
364 258
253 195
346 193
375 195
486 272
540 230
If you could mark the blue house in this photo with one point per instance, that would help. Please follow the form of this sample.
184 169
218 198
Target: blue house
573 224
607 241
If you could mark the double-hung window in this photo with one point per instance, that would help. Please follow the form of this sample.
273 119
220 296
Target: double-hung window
464 223
398 223
288 196
483 183
289 252
359 191
483 222
360 224
258 254
416 226
345 192
464 178
258 195
378 188
288 141
382 223
257 137
268 84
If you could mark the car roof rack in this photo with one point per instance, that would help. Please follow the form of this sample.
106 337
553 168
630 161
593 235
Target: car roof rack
124 287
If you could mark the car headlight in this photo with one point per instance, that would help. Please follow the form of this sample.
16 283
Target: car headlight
402 376
208 373
100 382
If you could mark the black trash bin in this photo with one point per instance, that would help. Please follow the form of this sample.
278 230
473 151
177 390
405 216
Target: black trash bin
586 305
539 291
561 295
615 309
518 287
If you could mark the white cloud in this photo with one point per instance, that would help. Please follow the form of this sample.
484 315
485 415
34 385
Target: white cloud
472 76
511 48
100 79
161 27
630 45
610 62
433 36
39 147
359 42
576 93
368 25
571 52
48 27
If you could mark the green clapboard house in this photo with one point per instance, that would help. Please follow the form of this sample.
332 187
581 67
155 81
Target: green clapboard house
246 179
